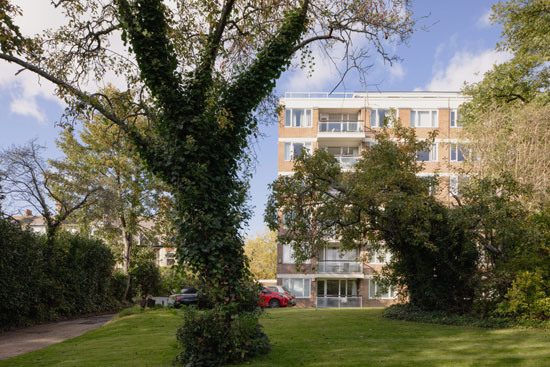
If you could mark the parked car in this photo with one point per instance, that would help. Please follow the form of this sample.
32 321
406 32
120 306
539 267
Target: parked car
273 299
188 296
283 290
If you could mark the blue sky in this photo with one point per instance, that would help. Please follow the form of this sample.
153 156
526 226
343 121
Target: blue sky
457 47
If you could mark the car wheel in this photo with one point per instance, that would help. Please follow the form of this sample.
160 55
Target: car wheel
274 303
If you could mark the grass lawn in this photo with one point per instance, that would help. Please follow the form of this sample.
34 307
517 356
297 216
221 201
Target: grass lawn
307 337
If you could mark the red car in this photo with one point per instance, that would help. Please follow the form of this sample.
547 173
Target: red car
272 299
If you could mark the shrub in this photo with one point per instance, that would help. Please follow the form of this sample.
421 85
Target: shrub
408 312
21 275
118 285
42 280
217 337
528 298
145 278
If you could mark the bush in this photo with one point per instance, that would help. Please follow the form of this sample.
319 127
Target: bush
408 312
217 337
21 275
175 278
528 298
44 281
145 278
118 285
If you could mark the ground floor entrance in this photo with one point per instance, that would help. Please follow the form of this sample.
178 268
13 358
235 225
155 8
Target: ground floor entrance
334 293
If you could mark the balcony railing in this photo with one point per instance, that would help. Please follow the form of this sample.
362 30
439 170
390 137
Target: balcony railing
319 95
340 126
339 301
339 266
347 161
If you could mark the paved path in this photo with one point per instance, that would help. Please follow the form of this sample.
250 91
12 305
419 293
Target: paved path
13 343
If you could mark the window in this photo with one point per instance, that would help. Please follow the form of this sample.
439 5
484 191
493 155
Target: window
299 288
336 254
455 119
380 256
458 153
294 150
337 288
427 156
170 258
456 183
377 117
431 184
376 290
298 117
288 255
420 118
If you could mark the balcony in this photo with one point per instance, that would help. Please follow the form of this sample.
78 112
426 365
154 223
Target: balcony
347 162
339 129
340 126
339 266
339 301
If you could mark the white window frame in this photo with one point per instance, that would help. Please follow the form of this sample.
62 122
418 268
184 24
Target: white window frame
288 250
290 115
392 294
414 122
454 185
289 147
288 281
433 154
340 293
377 123
455 147
453 123
374 256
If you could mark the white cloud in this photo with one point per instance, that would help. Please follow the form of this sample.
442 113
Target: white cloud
484 20
27 107
396 72
465 66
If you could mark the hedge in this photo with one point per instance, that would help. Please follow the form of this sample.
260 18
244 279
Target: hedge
41 281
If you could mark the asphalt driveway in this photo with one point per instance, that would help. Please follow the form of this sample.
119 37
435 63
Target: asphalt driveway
13 343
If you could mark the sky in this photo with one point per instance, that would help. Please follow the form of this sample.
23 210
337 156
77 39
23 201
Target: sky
458 46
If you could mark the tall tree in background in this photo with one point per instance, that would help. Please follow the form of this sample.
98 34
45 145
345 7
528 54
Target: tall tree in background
261 251
127 208
48 187
197 82
382 203
507 119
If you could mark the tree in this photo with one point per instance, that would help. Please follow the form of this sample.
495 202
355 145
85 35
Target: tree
261 251
129 200
381 203
29 179
197 81
507 118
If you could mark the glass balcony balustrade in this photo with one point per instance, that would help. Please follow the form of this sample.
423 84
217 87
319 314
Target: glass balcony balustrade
339 266
340 126
347 161
339 301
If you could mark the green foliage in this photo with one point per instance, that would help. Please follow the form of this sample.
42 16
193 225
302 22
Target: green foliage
174 278
209 339
42 281
527 298
118 285
409 312
382 202
146 278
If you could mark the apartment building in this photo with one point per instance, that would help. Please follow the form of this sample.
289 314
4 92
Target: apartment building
344 124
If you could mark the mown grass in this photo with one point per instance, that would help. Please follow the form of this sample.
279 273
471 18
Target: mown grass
308 337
